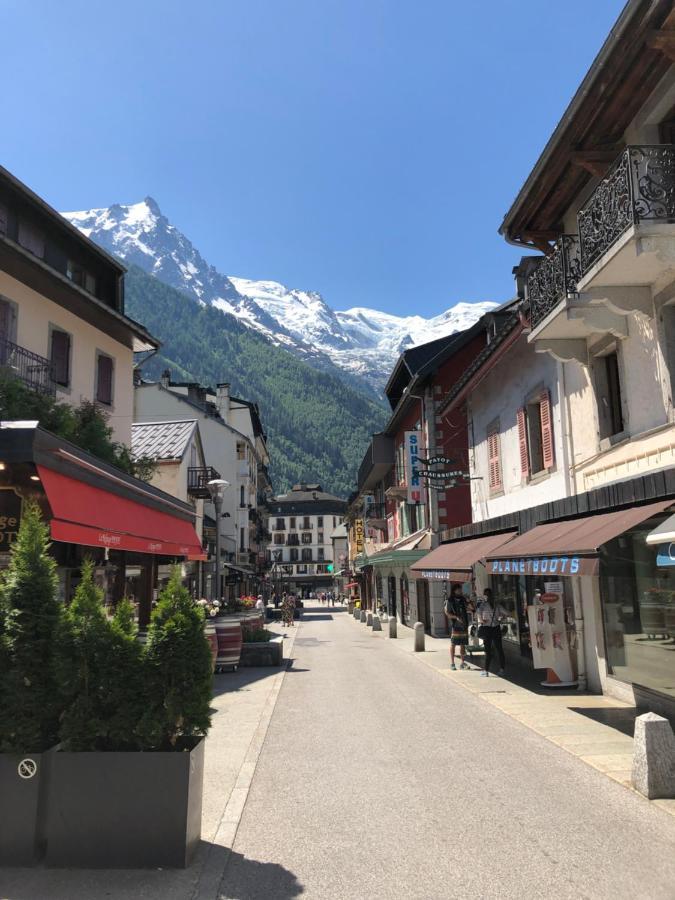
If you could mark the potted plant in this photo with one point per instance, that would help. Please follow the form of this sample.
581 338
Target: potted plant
30 701
127 791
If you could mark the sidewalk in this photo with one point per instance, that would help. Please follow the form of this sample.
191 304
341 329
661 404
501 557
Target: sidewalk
243 704
597 730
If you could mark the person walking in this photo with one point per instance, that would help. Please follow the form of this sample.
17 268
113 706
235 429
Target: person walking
288 610
457 613
490 615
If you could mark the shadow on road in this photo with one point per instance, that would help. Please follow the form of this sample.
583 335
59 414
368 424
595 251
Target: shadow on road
248 879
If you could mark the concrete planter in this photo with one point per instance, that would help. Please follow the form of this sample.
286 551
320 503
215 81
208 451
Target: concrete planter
124 810
263 653
24 782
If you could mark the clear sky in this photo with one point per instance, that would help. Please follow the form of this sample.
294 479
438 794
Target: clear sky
367 149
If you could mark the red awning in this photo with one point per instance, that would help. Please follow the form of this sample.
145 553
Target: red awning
84 514
453 562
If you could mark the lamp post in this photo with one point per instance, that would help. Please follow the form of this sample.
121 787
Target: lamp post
217 488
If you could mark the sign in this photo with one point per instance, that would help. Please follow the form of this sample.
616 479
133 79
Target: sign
665 555
10 516
557 565
359 536
412 449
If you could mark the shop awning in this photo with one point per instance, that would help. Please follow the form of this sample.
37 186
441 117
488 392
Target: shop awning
94 517
569 547
453 562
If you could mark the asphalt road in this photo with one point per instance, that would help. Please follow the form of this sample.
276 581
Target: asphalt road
380 778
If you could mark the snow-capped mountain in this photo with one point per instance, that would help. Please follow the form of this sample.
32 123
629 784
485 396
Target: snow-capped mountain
363 343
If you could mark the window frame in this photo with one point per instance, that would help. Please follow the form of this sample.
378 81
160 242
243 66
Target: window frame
494 458
100 354
64 386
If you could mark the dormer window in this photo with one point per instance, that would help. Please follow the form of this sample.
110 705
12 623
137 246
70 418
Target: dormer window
31 239
79 275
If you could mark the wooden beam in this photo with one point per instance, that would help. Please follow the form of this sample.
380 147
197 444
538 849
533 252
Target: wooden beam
541 239
594 161
663 41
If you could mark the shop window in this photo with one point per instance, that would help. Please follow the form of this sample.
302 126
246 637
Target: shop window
31 239
494 458
535 435
59 356
104 379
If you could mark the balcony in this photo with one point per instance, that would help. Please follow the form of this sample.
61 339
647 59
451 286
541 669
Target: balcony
555 278
377 461
198 480
27 367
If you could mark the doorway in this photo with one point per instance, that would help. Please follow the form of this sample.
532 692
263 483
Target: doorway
423 606
391 584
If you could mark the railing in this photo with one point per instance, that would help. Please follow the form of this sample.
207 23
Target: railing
198 480
639 187
555 277
33 370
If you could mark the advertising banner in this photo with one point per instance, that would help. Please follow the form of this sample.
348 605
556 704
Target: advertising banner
413 450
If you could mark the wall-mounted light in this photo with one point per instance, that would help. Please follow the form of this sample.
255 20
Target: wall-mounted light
34 477
2 467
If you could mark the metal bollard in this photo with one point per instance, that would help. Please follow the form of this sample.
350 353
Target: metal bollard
418 637
392 626
377 625
362 617
357 614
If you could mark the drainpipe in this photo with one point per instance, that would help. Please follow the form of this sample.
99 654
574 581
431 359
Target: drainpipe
579 627
567 435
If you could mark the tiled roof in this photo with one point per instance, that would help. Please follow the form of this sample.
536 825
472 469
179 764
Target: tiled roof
161 440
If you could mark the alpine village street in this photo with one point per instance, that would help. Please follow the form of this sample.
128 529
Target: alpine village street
229 670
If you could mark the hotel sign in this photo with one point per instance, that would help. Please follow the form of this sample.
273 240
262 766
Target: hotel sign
544 565
359 536
412 449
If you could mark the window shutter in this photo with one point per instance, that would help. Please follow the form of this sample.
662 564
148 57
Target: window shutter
61 357
547 448
522 442
494 462
104 380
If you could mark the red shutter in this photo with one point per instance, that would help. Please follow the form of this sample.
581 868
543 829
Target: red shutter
104 380
522 442
494 462
61 357
547 448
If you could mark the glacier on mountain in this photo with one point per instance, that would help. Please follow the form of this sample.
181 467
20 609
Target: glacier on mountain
360 342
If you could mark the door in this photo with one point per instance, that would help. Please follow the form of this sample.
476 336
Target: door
423 606
391 581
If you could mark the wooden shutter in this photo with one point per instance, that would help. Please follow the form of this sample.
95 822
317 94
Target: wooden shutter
494 462
521 417
104 380
547 449
61 357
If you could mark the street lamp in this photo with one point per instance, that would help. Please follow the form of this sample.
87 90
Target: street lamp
217 488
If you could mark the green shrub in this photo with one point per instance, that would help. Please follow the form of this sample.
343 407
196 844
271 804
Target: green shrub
178 672
253 635
30 698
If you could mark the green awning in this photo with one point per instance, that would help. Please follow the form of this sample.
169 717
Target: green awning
396 557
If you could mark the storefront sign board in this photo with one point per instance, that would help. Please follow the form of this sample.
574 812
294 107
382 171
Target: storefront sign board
556 565
412 450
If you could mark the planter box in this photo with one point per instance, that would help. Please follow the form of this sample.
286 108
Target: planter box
263 653
125 810
24 781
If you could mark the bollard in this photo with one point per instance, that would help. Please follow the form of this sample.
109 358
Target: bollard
418 629
392 626
369 619
654 757
357 614
362 617
377 626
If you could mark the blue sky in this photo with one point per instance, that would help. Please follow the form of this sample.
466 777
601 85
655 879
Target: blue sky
367 149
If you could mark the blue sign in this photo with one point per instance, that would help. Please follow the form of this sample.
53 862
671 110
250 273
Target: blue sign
665 555
556 565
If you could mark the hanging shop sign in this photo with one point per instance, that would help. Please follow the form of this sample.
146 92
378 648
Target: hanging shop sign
665 555
440 477
359 536
556 565
412 450
10 517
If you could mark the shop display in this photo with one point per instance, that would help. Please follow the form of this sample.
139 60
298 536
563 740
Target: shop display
554 643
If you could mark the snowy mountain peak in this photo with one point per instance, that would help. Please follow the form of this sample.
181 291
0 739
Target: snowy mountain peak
363 343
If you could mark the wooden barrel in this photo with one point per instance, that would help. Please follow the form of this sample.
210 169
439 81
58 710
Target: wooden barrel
212 638
228 634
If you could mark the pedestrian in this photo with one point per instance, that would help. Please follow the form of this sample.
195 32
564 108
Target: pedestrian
490 616
457 613
259 602
288 610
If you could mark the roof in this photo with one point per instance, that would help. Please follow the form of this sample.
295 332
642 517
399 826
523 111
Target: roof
339 532
308 495
162 440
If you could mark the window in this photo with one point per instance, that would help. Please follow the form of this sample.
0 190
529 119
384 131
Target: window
319 554
241 450
293 554
59 356
31 239
242 496
334 522
277 555
319 538
242 539
104 379
494 458
608 393
279 538
292 525
307 537
7 321
300 569
3 219
319 521
535 435
292 540
306 523
80 276
306 555
280 525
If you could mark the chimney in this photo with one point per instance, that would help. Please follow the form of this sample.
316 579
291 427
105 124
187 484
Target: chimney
197 393
223 400
166 378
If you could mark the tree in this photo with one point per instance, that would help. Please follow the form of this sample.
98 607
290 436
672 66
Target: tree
30 701
178 672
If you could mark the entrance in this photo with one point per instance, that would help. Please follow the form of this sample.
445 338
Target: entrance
423 607
391 584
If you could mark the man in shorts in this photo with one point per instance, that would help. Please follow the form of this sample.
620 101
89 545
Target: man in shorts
457 613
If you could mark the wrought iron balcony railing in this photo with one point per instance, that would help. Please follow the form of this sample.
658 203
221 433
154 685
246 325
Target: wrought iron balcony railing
33 370
198 480
554 278
639 187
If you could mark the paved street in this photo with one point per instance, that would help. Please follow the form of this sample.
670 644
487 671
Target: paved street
380 778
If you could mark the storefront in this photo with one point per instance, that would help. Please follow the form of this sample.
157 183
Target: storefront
392 583
126 526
